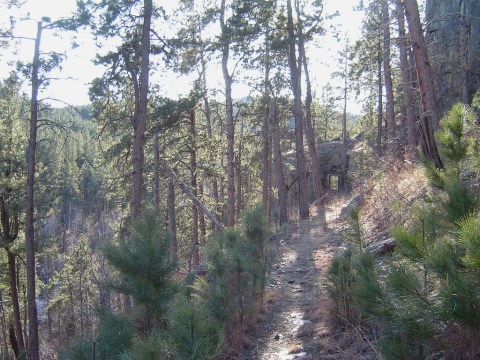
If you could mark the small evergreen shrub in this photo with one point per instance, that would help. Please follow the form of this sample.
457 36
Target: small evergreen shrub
144 265
425 299
194 332
237 265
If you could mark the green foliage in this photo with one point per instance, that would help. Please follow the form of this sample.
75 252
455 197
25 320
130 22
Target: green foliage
354 232
451 133
116 335
144 266
150 346
195 333
339 284
74 289
469 237
431 284
367 292
237 264
411 245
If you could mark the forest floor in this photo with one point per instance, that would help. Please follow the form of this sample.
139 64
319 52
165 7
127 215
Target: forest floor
298 321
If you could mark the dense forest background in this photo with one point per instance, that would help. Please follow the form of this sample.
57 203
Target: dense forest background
141 227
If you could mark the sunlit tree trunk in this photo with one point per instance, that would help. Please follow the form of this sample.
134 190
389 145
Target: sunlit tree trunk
8 234
387 73
266 152
464 40
140 117
229 117
278 163
12 280
407 85
3 322
296 83
172 217
201 218
380 101
309 131
431 120
239 177
208 118
156 175
193 169
33 348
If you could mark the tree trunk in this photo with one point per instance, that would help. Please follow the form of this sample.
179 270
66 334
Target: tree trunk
140 117
193 169
278 163
266 153
17 319
380 101
464 43
209 132
201 217
296 81
189 193
8 234
33 341
229 117
345 93
387 73
425 81
172 217
238 164
309 132
407 87
156 175
4 328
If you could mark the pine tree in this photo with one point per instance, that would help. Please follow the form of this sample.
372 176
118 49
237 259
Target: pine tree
429 290
144 266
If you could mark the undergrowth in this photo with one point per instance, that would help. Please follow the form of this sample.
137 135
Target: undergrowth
195 318
424 300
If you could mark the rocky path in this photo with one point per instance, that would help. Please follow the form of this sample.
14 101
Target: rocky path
297 323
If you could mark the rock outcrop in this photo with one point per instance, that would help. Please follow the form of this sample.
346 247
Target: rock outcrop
444 36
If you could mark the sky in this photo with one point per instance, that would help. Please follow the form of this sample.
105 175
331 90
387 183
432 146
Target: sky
70 84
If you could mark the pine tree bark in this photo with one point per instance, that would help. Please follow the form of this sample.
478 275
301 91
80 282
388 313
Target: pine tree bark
208 119
33 348
189 193
296 82
156 175
345 93
201 217
464 42
17 319
8 234
278 164
229 117
172 217
431 120
140 116
3 322
193 170
266 152
407 86
239 177
387 73
309 132
380 101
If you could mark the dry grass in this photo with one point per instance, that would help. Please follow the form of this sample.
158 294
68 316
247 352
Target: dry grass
387 197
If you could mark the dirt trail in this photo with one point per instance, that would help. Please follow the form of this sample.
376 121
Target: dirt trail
297 323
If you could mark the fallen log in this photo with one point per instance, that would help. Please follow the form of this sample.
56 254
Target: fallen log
382 248
186 190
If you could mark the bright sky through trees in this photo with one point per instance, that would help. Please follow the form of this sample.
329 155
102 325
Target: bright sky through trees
70 84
